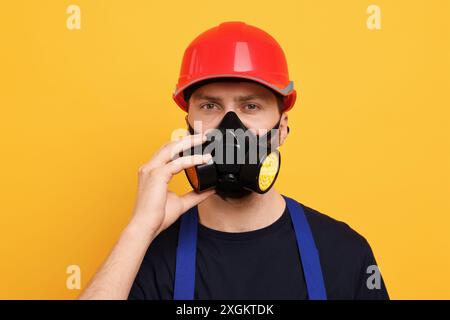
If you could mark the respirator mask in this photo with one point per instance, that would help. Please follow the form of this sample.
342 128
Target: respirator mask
242 161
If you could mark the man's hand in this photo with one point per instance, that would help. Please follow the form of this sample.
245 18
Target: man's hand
156 209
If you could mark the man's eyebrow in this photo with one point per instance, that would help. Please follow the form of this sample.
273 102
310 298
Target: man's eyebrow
264 97
201 96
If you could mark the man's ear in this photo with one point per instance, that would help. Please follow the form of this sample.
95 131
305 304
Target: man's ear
284 128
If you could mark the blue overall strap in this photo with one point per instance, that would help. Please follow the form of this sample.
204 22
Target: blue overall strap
308 251
186 256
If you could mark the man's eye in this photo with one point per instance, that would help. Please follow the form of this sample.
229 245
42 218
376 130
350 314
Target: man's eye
251 106
208 106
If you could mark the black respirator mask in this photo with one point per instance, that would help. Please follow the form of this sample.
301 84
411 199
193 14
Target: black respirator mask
242 162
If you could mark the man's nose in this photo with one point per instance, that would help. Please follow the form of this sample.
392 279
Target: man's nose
230 107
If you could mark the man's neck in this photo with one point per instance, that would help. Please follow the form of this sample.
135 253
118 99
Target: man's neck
252 212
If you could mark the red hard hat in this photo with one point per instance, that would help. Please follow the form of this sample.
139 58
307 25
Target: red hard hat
236 50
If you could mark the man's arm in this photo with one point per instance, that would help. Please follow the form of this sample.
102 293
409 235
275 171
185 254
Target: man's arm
115 277
156 209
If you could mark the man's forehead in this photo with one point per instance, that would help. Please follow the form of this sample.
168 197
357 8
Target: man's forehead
217 91
203 96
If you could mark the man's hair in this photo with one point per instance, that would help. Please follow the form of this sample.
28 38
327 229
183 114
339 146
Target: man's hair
190 90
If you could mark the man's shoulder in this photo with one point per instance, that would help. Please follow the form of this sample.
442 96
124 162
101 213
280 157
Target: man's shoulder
329 231
345 256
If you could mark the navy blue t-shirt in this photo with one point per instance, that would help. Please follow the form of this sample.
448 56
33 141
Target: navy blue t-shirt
264 263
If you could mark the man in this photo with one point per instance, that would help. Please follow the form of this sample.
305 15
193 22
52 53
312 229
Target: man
234 236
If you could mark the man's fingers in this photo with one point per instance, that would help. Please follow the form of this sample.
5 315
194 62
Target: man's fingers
193 198
179 164
172 149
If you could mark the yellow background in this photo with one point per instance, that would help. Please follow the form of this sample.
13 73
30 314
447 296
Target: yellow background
81 110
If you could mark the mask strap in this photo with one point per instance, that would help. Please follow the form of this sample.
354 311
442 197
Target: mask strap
277 125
